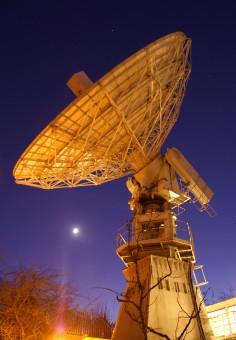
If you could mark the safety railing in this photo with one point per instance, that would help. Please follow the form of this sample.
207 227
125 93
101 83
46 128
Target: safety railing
126 233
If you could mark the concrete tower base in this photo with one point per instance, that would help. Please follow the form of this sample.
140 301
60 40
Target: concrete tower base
159 295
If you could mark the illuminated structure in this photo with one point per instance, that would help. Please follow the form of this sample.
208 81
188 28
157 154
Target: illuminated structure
116 127
222 317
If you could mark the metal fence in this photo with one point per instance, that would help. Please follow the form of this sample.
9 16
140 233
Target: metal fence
93 324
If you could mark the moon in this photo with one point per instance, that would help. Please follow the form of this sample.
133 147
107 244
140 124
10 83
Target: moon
75 231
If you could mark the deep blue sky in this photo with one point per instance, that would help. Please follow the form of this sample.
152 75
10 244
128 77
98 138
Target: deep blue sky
42 45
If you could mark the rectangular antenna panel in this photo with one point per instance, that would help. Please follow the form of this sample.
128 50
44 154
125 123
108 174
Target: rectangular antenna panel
79 82
194 182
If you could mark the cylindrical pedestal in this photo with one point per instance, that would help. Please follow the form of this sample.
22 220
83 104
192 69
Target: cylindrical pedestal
159 298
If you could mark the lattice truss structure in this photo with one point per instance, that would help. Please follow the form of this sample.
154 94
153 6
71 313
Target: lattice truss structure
116 126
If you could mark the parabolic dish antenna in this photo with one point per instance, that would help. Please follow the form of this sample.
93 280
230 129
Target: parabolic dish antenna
114 127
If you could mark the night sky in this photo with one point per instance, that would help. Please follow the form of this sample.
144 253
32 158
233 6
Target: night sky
42 45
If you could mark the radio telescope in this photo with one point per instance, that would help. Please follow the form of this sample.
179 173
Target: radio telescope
116 127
